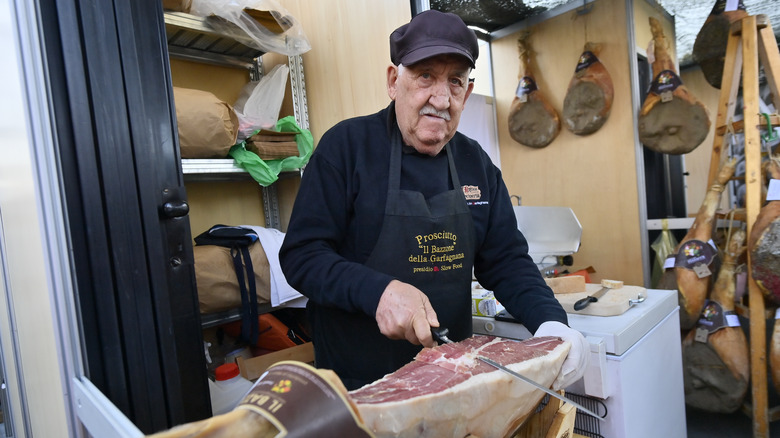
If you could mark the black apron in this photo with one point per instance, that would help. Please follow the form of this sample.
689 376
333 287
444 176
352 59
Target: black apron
429 244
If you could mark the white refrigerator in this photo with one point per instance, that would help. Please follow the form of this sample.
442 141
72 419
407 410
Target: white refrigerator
635 368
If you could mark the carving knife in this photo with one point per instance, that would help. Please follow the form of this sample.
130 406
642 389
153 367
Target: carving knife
606 286
440 335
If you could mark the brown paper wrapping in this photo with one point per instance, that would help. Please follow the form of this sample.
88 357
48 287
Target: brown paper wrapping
216 277
208 127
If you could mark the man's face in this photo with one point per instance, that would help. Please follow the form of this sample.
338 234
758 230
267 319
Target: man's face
429 98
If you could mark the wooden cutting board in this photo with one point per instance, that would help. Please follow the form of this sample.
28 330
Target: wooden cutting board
614 302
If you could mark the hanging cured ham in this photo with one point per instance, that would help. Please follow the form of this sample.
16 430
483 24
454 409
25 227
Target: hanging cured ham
774 354
533 122
672 120
709 49
764 247
764 243
690 270
716 358
589 97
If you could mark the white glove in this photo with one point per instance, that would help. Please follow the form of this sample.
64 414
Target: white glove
577 361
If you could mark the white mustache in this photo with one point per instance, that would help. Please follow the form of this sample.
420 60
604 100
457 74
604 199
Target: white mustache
430 110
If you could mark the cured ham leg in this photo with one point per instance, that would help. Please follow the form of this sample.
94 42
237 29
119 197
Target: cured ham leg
447 392
298 397
716 365
532 120
692 287
764 247
672 120
764 243
774 355
709 49
589 97
238 423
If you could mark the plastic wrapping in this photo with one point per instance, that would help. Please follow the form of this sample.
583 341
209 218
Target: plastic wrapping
259 102
267 172
664 245
262 24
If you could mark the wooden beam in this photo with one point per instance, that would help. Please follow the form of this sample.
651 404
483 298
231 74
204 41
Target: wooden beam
732 67
739 125
750 96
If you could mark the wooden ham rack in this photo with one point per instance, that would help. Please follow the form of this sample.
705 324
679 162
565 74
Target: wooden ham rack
750 39
554 420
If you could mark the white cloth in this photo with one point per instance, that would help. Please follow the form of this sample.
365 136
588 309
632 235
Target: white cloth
281 292
576 362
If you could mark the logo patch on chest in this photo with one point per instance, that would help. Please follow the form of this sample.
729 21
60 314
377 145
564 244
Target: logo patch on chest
472 193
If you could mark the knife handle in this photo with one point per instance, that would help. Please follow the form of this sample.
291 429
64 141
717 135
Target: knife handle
583 303
440 335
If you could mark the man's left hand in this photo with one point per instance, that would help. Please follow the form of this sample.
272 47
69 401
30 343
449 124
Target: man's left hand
576 362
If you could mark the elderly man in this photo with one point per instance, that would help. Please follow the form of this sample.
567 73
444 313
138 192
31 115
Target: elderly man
397 209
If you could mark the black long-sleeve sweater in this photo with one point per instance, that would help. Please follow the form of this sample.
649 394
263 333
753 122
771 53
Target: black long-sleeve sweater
338 213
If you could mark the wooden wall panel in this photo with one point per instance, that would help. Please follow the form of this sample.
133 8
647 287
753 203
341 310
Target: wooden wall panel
595 175
224 202
346 69
697 162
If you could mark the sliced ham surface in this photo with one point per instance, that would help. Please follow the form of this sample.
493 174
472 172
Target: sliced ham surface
447 392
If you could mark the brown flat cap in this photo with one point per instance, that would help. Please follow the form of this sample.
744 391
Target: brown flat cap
433 33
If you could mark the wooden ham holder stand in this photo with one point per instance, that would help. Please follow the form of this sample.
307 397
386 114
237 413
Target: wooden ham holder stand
750 39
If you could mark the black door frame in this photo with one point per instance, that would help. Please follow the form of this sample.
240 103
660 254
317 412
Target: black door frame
112 104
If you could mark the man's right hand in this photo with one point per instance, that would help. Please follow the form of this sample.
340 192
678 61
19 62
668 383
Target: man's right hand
404 312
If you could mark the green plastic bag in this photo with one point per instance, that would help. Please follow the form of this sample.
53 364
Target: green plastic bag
267 172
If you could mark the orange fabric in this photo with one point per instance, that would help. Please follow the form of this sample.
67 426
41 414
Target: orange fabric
273 333
583 272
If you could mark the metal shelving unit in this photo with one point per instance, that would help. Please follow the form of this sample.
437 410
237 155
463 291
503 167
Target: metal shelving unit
197 39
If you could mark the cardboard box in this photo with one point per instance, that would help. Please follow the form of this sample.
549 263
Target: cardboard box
252 368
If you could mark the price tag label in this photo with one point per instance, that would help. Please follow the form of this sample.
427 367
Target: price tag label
526 86
701 335
732 5
702 270
732 320
773 192
287 387
695 255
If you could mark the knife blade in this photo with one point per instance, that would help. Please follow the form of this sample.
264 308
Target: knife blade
440 336
606 286
538 386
